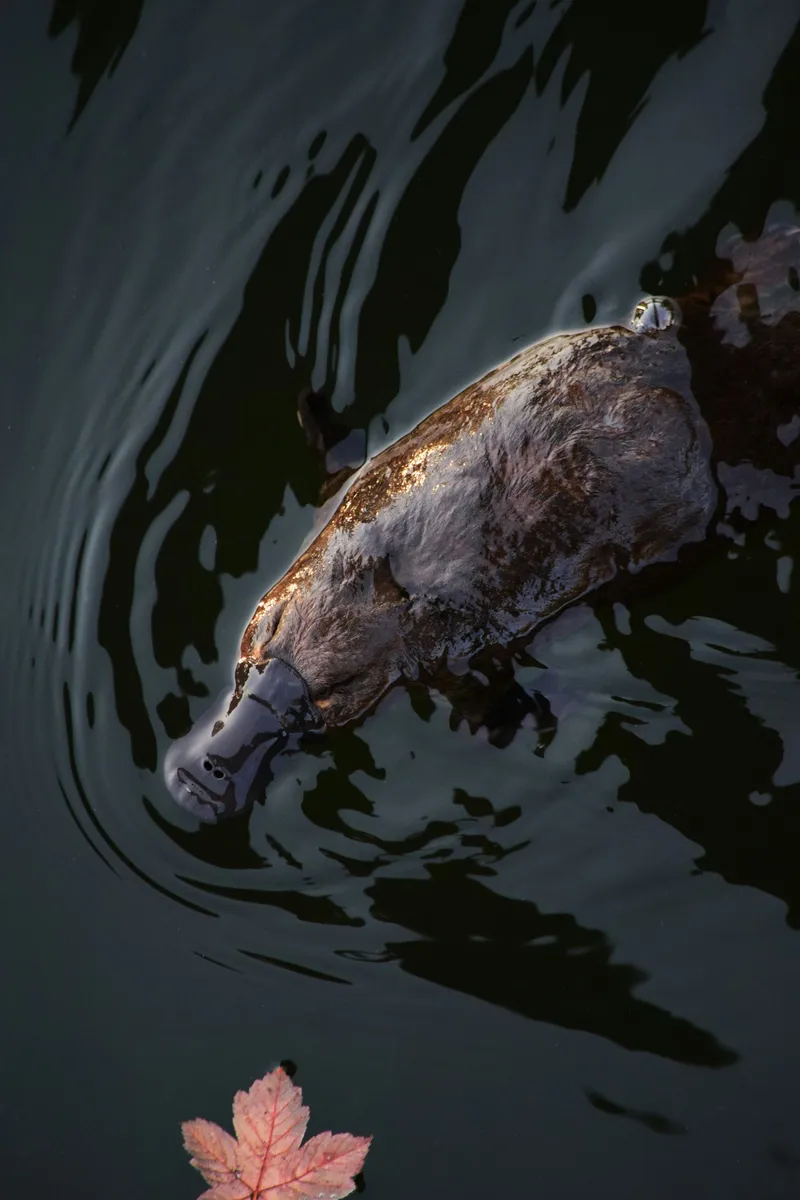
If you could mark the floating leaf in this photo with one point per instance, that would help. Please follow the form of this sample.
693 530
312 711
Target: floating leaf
267 1160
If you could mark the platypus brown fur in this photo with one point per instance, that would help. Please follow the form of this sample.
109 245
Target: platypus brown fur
588 455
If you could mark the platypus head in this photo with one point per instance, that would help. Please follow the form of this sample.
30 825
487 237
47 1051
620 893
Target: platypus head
224 764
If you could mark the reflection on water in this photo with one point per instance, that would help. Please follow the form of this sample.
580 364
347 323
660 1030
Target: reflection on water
181 485
544 966
766 171
104 33
594 40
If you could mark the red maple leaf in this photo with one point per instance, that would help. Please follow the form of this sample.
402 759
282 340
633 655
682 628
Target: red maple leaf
266 1159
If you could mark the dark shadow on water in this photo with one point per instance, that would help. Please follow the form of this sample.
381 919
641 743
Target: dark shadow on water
105 28
243 419
318 910
768 169
543 966
655 1122
621 48
116 601
473 48
701 783
423 239
285 965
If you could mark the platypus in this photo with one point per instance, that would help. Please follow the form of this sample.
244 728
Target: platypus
586 457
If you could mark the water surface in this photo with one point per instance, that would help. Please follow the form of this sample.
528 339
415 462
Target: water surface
550 969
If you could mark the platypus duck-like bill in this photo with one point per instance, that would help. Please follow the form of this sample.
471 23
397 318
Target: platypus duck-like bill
223 772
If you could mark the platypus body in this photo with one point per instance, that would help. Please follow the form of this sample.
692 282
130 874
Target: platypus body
588 456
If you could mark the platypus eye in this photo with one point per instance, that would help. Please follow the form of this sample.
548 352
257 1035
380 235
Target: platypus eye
653 314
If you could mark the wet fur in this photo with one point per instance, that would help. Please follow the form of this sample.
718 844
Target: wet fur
584 454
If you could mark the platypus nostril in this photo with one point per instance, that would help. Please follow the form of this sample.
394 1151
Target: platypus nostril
216 771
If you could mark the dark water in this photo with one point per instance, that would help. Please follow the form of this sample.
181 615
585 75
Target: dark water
560 973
